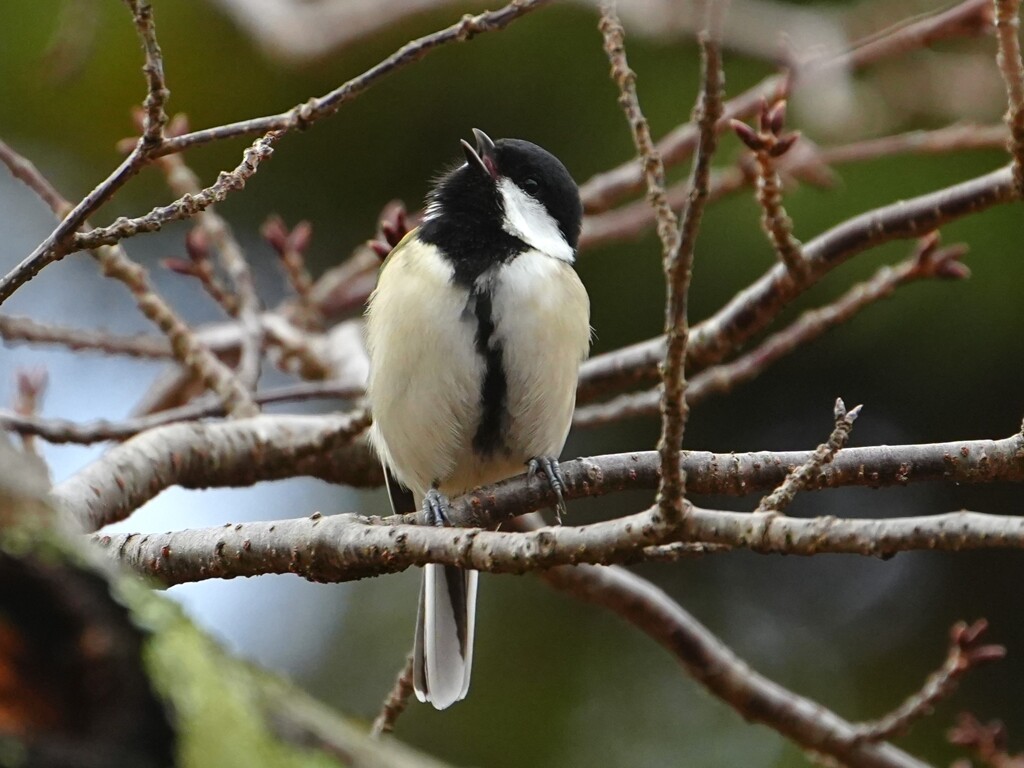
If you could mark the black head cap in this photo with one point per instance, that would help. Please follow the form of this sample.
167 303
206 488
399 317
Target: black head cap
542 176
466 204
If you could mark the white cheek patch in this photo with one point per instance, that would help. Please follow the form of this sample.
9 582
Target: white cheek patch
528 220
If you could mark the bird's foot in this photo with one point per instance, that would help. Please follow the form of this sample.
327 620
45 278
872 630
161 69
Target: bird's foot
435 508
549 466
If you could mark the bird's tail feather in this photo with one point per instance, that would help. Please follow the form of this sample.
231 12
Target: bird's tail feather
443 652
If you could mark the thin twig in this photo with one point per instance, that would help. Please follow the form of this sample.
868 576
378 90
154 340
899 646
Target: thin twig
804 162
185 344
769 144
184 182
678 271
988 742
15 329
64 431
714 665
751 310
677 239
157 94
186 206
928 261
55 246
290 247
965 653
25 171
395 703
777 501
200 266
31 386
304 115
1007 19
650 159
970 17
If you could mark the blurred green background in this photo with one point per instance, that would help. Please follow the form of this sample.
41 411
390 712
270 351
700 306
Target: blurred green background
557 683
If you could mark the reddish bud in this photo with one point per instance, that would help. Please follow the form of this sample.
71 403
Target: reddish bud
197 245
747 135
301 236
777 117
986 653
763 120
379 247
31 381
929 243
275 233
784 144
178 125
179 266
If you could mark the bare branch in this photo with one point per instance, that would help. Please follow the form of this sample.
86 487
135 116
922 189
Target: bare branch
965 653
304 115
157 93
804 162
185 345
970 17
56 245
928 261
395 703
183 181
246 451
291 249
15 330
712 664
755 307
677 239
769 144
797 480
193 455
25 171
1007 17
186 206
65 431
650 158
678 271
349 547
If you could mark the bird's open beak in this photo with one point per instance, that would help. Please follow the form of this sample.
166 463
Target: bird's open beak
484 156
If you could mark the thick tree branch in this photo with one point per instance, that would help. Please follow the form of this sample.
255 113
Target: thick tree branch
349 547
195 455
246 451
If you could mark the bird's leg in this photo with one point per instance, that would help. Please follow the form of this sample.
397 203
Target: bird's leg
435 508
549 466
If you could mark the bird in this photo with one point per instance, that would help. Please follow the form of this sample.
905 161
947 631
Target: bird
475 333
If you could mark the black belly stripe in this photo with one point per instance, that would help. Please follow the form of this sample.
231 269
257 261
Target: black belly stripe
489 436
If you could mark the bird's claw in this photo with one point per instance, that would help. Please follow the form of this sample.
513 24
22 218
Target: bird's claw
435 508
553 473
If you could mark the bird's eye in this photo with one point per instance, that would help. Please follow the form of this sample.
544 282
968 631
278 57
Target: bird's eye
531 185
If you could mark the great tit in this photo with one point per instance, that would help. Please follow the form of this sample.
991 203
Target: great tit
475 333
